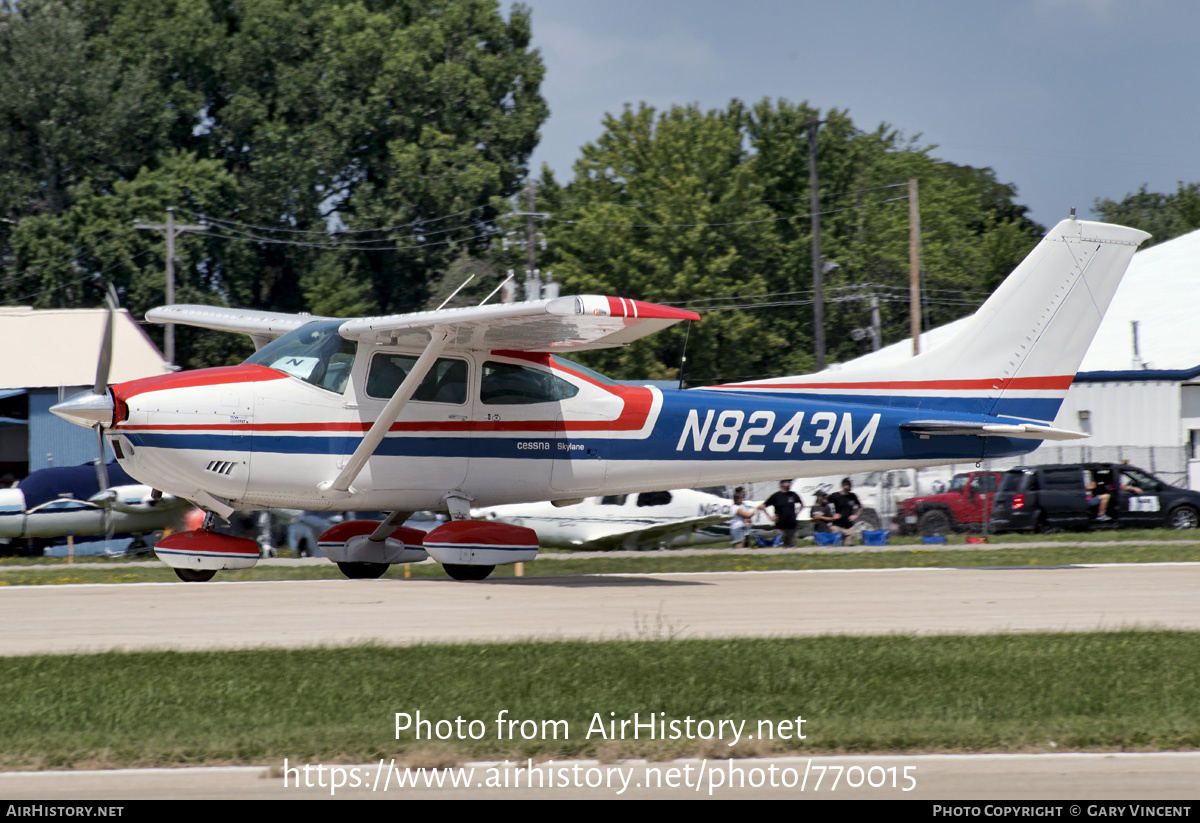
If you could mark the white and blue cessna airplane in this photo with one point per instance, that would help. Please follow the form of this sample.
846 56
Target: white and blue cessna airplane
455 408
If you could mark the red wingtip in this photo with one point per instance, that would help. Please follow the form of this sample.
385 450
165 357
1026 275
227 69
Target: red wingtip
641 310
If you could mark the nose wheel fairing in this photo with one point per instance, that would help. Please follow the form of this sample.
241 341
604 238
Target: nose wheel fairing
203 550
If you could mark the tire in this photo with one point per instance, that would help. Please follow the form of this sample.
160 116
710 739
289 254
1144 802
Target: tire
303 549
870 518
1183 517
1040 526
195 575
935 522
363 571
464 572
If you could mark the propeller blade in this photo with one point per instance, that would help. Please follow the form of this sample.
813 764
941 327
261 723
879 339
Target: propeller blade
104 365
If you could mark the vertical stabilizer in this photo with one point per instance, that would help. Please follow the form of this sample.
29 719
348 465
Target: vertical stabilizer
1016 357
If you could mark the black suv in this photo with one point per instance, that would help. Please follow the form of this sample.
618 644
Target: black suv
1040 498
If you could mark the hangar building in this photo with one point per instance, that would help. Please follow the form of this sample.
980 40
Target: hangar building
51 354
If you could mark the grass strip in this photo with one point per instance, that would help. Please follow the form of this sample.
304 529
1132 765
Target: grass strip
1127 690
657 563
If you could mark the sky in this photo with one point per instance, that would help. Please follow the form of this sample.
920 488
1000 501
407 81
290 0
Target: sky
1068 100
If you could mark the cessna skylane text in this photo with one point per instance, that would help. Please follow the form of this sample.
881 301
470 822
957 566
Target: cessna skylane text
456 408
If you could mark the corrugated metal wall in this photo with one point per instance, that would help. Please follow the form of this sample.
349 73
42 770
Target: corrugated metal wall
53 441
1143 413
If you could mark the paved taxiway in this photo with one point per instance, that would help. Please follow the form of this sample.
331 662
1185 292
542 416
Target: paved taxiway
747 604
785 603
993 777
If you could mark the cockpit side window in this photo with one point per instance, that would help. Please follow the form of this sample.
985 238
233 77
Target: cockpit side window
507 384
315 353
446 382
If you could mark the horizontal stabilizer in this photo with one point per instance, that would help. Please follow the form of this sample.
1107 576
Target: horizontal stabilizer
1021 431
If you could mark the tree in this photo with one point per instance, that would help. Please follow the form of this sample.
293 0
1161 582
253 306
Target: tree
1165 216
712 209
663 207
345 115
972 231
70 259
68 111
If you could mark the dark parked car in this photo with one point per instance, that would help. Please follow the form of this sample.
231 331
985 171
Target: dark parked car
1042 498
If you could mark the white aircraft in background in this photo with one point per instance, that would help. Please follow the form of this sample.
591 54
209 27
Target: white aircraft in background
458 408
79 500
634 522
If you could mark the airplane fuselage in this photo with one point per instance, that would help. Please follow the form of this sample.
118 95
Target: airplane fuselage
506 427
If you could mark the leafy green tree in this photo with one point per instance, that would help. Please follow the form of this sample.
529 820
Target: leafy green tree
1165 216
712 210
69 259
345 114
972 231
68 110
663 207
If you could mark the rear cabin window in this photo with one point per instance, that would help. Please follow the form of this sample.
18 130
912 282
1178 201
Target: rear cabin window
654 498
507 384
446 382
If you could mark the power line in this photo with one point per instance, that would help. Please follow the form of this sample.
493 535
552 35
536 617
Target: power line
94 276
721 224
826 196
328 233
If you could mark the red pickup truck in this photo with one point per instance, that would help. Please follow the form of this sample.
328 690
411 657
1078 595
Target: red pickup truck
962 507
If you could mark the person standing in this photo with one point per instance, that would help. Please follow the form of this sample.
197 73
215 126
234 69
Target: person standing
787 506
846 507
821 512
739 526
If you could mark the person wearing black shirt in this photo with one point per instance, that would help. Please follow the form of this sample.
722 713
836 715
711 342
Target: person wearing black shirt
846 506
787 505
821 513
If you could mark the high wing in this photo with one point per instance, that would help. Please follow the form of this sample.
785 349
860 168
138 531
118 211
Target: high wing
262 326
585 322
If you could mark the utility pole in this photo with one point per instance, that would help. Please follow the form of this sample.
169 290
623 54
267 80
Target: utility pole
530 231
814 208
914 267
171 230
533 278
876 330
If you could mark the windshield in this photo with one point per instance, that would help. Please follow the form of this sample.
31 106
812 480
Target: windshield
582 369
959 482
315 353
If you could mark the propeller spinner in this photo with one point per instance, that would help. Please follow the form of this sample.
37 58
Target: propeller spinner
95 408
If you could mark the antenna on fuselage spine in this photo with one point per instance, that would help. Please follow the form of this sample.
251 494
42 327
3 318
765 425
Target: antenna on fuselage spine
502 282
470 277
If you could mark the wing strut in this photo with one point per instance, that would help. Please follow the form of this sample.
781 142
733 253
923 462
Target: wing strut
389 525
339 488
